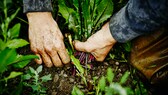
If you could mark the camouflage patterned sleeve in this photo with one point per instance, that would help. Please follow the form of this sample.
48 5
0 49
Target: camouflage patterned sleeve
37 6
138 17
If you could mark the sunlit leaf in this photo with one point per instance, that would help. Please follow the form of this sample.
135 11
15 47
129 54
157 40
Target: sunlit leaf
46 78
124 78
76 91
14 31
76 62
102 83
7 57
13 74
110 75
16 43
39 69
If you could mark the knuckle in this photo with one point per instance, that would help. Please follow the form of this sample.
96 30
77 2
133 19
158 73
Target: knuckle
48 50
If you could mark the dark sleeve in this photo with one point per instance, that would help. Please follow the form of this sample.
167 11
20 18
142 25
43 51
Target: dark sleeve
138 17
37 6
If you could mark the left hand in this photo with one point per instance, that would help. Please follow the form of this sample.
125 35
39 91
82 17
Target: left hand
99 44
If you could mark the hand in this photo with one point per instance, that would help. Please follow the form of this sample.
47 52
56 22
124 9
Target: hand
46 39
99 44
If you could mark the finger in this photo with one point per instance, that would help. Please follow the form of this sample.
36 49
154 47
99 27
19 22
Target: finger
46 59
38 61
80 46
64 55
56 60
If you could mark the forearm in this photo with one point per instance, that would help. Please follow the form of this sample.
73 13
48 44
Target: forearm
37 6
137 18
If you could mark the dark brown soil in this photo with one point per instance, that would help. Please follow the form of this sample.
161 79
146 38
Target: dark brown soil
63 80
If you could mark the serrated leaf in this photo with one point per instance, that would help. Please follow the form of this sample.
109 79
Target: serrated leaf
39 69
46 78
32 70
124 78
16 43
110 75
77 64
102 83
27 77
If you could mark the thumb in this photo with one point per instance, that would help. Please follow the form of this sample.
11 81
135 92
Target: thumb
80 46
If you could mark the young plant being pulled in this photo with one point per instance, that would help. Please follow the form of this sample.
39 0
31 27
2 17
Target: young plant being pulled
84 18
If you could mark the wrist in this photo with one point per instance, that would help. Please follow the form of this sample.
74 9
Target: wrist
107 34
38 15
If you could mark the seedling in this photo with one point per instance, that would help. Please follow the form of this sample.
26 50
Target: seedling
35 81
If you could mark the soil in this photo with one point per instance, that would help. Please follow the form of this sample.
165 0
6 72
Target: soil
63 79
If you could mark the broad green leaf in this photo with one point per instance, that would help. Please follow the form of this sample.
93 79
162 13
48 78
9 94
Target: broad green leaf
110 75
104 10
16 43
7 56
23 60
14 31
39 69
102 83
76 4
124 78
76 91
46 78
77 64
64 10
13 74
21 64
2 45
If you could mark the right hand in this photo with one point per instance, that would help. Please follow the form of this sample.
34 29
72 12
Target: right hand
46 39
99 44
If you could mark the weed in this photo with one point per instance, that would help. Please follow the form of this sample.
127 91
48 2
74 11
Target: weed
35 81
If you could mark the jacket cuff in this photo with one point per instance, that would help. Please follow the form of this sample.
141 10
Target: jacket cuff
120 28
37 6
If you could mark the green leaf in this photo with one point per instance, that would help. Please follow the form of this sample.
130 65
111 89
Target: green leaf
22 61
124 78
76 91
110 75
16 43
64 10
77 64
102 83
46 78
14 31
9 19
104 11
27 77
2 45
21 64
13 74
32 70
7 56
39 69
